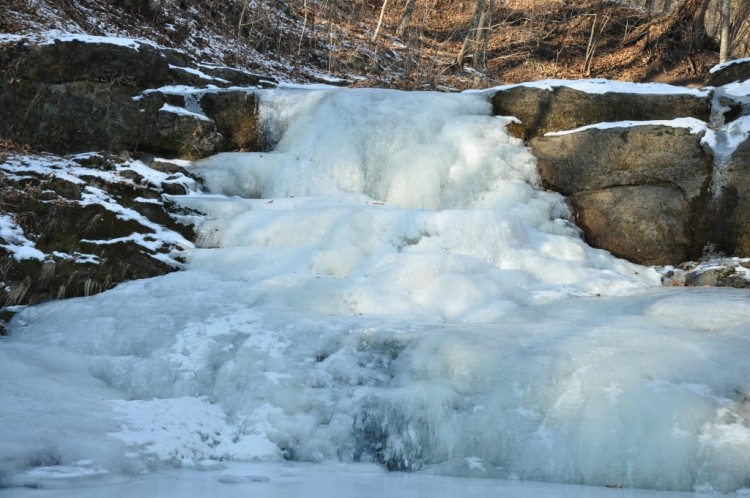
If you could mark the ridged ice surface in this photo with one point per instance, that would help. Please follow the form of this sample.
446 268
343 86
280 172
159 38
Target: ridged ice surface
387 285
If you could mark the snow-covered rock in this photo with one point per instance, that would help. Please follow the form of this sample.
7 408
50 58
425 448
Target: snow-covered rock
550 106
75 94
79 225
729 72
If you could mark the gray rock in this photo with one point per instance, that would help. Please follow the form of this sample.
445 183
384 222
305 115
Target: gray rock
237 77
49 211
73 96
64 62
542 111
639 192
736 71
716 277
647 224
736 201
234 113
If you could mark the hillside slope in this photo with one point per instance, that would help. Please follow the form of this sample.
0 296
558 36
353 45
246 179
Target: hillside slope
315 41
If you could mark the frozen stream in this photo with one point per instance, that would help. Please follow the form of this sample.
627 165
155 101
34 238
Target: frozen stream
386 289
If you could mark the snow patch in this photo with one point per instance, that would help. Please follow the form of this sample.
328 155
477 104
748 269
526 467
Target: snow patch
182 112
16 242
601 86
694 125
724 65
59 36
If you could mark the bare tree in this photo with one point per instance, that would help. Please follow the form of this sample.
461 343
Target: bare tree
726 24
405 17
380 20
688 23
471 35
487 27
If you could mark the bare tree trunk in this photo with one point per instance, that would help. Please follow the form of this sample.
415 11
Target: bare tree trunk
242 18
478 61
486 33
726 23
700 18
380 20
405 17
471 35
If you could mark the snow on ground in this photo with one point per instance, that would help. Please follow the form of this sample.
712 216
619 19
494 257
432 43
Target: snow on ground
294 480
694 125
387 288
737 89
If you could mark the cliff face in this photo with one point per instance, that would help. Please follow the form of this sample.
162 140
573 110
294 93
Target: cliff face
655 174
99 214
89 93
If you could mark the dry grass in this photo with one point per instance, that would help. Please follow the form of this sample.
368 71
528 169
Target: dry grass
529 40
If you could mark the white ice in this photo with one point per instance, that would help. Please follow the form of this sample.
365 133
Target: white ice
388 287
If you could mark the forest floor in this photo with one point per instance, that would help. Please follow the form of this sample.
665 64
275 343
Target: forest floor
331 41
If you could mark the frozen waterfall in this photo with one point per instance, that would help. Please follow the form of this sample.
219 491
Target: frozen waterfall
389 285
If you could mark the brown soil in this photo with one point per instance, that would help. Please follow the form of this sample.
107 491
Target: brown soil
550 39
530 40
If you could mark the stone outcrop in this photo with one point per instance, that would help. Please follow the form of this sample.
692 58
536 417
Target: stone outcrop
729 73
736 200
640 192
93 220
562 108
717 277
71 96
122 98
643 192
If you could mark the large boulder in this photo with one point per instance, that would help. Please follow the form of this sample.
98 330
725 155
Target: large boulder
730 72
639 192
234 113
140 66
737 199
562 108
72 96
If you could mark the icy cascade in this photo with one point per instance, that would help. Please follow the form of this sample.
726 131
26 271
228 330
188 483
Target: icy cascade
387 285
400 195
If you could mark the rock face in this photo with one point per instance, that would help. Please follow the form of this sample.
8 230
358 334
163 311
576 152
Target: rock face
736 200
562 108
647 192
640 192
728 73
83 225
71 96
80 224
